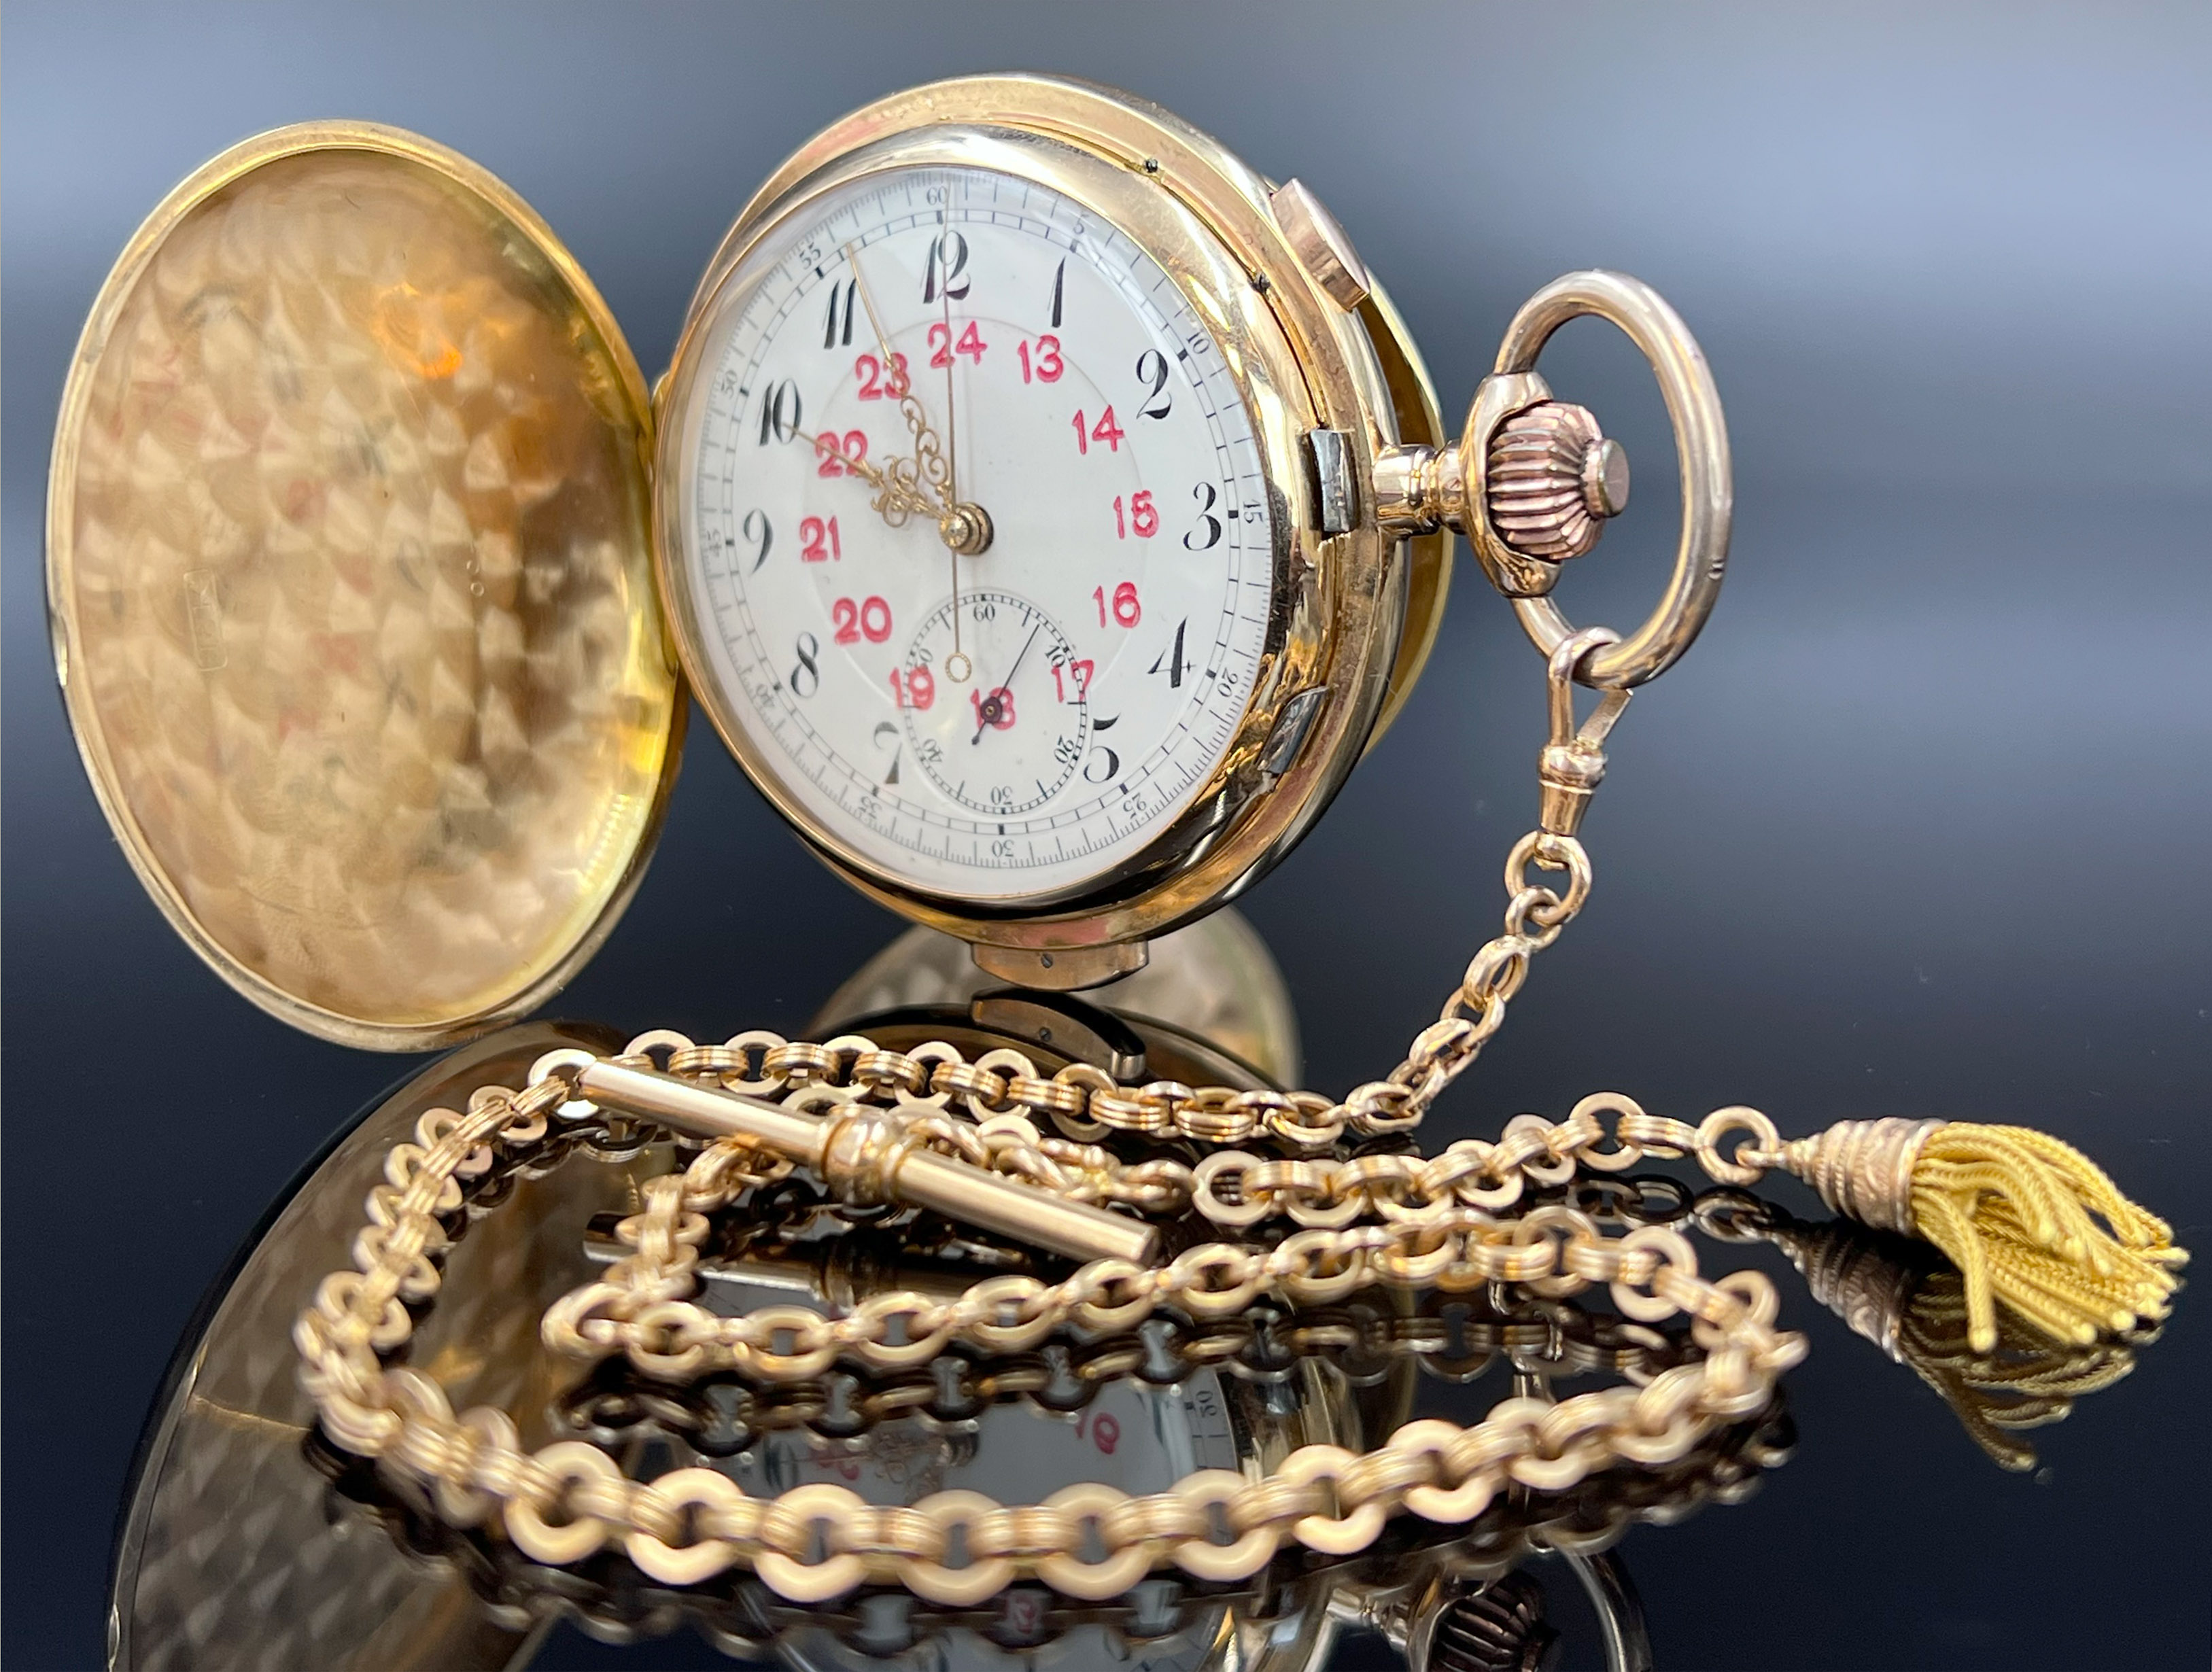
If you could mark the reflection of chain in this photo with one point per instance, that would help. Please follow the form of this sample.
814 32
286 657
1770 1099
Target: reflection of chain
741 1614
566 1501
1451 1339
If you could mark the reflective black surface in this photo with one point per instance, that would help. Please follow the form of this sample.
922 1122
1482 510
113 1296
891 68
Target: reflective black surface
1918 827
250 1539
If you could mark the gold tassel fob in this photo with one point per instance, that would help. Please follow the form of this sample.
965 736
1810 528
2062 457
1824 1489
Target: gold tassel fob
2016 1210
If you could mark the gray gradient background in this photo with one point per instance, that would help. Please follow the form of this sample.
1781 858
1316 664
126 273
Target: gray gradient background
1918 827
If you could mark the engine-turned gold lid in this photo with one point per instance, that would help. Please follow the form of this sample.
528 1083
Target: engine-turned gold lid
348 563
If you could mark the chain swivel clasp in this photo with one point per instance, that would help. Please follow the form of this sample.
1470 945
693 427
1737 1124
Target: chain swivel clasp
1572 765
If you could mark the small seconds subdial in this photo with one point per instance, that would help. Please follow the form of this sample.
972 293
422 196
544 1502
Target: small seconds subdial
1008 738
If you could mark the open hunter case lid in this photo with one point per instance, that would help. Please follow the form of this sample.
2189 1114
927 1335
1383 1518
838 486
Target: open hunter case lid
349 561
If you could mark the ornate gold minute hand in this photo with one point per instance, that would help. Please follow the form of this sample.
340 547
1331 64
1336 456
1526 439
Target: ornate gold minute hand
930 468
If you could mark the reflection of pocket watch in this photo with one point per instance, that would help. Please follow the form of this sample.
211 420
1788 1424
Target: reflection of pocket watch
1046 509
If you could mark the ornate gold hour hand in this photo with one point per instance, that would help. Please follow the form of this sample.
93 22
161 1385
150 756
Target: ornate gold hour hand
898 496
964 528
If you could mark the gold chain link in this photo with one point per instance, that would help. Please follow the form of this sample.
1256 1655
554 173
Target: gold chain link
567 1500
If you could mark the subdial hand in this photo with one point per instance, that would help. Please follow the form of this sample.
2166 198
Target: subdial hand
992 710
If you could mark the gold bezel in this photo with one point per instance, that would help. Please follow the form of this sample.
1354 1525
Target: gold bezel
604 906
1340 620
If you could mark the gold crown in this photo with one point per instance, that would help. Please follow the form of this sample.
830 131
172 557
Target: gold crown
1553 478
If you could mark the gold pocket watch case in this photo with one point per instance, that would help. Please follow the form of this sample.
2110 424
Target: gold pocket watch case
350 577
371 568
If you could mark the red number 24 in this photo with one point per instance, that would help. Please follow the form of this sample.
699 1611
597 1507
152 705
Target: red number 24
943 347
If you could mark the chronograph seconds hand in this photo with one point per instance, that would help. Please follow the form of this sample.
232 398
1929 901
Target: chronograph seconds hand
958 667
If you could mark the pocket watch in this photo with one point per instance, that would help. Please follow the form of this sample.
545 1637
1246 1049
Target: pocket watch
1046 509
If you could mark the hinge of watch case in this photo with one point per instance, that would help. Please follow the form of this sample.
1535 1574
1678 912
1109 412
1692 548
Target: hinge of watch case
1063 970
1076 1030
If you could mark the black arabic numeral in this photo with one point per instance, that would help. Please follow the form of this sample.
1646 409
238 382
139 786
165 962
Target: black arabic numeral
948 260
806 677
1172 663
838 328
780 411
1113 762
1059 280
885 730
1206 493
1152 368
762 532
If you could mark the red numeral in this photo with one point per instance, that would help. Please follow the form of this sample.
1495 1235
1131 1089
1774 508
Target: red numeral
1127 611
1047 366
1001 715
943 347
834 450
870 371
1083 669
870 619
1105 431
916 689
817 540
1143 519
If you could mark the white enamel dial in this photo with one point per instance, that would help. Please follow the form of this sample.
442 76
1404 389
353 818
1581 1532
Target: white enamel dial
996 725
